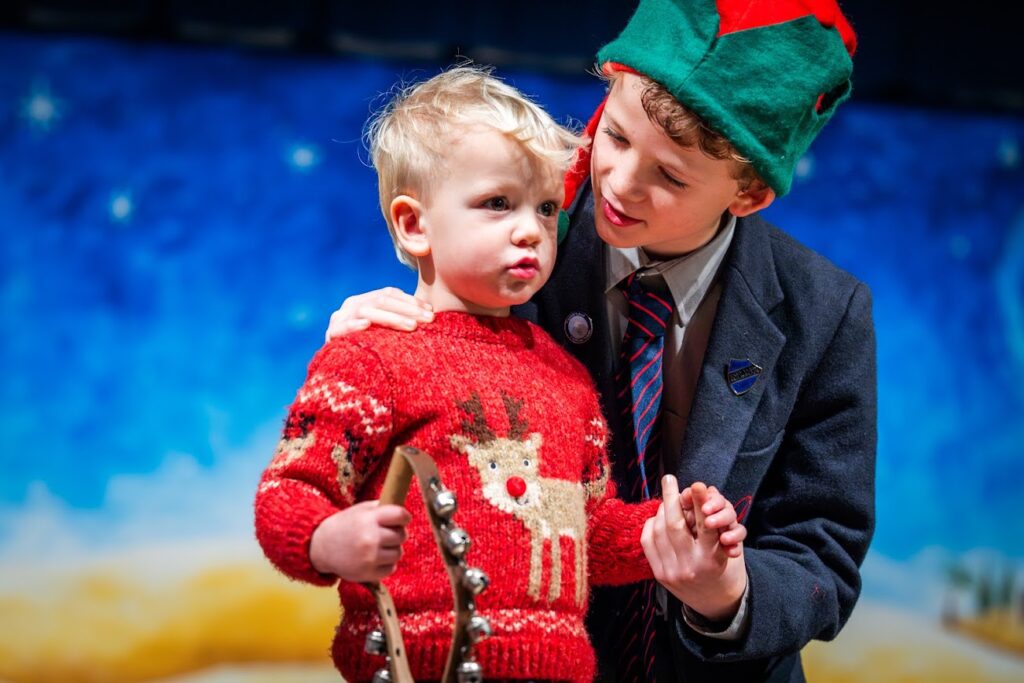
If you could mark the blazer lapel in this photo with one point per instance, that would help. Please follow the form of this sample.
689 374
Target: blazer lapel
742 331
575 294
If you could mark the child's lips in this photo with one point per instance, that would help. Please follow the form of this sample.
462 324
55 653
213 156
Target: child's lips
617 217
525 269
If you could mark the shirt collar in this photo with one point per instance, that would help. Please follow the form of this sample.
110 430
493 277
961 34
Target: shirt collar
688 276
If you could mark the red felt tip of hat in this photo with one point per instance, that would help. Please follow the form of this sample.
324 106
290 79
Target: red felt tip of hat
579 171
739 15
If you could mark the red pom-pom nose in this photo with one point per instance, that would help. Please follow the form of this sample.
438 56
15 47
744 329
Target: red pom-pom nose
515 486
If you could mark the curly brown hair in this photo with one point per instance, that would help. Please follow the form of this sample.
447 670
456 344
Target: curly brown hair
688 129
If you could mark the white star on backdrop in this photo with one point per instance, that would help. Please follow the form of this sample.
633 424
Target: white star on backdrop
303 157
804 167
41 108
121 206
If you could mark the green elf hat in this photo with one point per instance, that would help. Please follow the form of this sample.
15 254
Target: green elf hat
766 74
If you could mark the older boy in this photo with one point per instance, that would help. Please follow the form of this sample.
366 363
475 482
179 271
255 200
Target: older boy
769 362
470 177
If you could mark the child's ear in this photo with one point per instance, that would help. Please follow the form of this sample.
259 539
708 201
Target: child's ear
406 216
755 197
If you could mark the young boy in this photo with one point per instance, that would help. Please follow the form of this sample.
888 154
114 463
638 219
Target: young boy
769 364
470 177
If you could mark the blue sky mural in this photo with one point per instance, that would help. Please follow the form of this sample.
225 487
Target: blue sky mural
178 223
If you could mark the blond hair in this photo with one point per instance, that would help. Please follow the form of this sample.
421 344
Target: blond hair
409 137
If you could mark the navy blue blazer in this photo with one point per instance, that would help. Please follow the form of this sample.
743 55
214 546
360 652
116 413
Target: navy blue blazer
795 453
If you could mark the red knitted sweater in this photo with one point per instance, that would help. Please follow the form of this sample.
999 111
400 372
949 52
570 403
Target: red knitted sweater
489 399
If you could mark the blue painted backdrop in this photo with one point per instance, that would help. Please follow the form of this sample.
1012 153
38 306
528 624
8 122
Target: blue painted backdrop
177 224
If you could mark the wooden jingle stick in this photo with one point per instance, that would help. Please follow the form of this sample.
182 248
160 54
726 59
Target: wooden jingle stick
405 462
395 490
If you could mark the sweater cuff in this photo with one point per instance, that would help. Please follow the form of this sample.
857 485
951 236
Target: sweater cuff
285 530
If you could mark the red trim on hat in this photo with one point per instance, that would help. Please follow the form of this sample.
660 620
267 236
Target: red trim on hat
609 67
580 169
739 15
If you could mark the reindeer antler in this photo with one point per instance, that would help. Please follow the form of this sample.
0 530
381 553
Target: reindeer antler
516 426
478 427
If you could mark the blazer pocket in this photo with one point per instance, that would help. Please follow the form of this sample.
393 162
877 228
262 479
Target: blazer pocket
749 469
767 450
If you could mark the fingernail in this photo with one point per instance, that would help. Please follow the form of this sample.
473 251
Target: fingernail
427 315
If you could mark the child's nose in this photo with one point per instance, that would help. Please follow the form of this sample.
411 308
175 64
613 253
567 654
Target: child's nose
528 230
623 178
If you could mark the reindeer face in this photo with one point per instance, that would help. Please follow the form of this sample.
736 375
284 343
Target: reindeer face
508 469
507 466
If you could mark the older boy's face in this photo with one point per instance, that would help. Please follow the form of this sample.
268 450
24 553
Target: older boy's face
648 190
492 223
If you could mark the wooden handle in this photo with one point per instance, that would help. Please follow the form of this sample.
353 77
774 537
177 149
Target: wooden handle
406 461
396 488
398 479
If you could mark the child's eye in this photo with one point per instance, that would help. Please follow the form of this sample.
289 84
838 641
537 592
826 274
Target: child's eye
547 209
672 180
497 204
614 136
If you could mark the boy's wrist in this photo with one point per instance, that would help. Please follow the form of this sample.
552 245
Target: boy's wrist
721 604
731 627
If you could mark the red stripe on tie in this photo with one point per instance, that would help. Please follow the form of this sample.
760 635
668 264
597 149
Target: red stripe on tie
654 358
633 321
638 396
643 348
644 434
667 305
632 662
657 318
637 403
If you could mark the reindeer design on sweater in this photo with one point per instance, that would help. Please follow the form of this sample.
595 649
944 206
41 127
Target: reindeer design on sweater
549 508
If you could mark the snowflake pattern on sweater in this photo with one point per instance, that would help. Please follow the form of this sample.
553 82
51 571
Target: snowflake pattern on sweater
515 428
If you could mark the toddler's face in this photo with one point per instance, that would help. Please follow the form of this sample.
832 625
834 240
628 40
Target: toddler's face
491 220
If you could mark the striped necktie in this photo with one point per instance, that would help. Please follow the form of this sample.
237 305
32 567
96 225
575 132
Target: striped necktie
640 376
640 388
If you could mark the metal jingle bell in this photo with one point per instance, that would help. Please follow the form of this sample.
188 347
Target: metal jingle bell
475 581
456 541
376 643
470 672
478 628
382 676
443 503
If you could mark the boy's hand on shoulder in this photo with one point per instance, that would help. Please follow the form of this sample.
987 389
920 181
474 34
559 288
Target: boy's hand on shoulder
694 546
387 307
360 543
